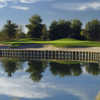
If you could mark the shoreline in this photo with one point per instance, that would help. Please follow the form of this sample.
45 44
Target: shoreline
50 48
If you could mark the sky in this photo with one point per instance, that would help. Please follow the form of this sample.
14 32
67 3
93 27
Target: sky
19 11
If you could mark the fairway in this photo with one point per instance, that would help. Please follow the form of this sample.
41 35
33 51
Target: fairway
57 43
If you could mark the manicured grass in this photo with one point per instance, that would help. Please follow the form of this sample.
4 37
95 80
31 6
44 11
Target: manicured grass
57 43
65 62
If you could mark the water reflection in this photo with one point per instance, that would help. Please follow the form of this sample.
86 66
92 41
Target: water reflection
11 65
65 69
36 68
49 80
93 68
61 68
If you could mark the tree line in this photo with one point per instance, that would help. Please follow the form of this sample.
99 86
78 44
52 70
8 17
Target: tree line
57 30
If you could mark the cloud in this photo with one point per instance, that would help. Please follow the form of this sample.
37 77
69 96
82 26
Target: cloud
21 7
22 88
77 6
34 1
29 1
25 1
4 3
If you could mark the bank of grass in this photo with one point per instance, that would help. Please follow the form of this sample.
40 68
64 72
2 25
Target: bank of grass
65 62
57 43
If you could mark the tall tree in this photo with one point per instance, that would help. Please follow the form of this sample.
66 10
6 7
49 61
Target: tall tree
60 29
53 30
35 27
45 33
93 29
76 26
10 29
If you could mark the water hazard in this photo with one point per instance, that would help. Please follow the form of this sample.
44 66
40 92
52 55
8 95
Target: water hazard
34 78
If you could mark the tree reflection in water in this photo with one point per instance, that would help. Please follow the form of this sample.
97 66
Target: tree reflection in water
36 68
11 65
65 69
93 68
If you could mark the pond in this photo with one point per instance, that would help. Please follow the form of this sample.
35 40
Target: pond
48 80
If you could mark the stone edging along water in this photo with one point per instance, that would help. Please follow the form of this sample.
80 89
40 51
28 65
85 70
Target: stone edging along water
54 52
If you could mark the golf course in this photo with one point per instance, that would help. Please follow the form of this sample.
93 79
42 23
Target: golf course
57 43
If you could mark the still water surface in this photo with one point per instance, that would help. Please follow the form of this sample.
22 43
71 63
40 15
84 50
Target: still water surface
48 80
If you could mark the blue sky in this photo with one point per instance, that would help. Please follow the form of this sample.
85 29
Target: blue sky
20 11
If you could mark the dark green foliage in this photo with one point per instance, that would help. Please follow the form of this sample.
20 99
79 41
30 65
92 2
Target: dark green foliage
35 27
76 27
10 30
93 29
84 35
57 30
60 29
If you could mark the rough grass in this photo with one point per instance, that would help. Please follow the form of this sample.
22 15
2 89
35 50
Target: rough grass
57 43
